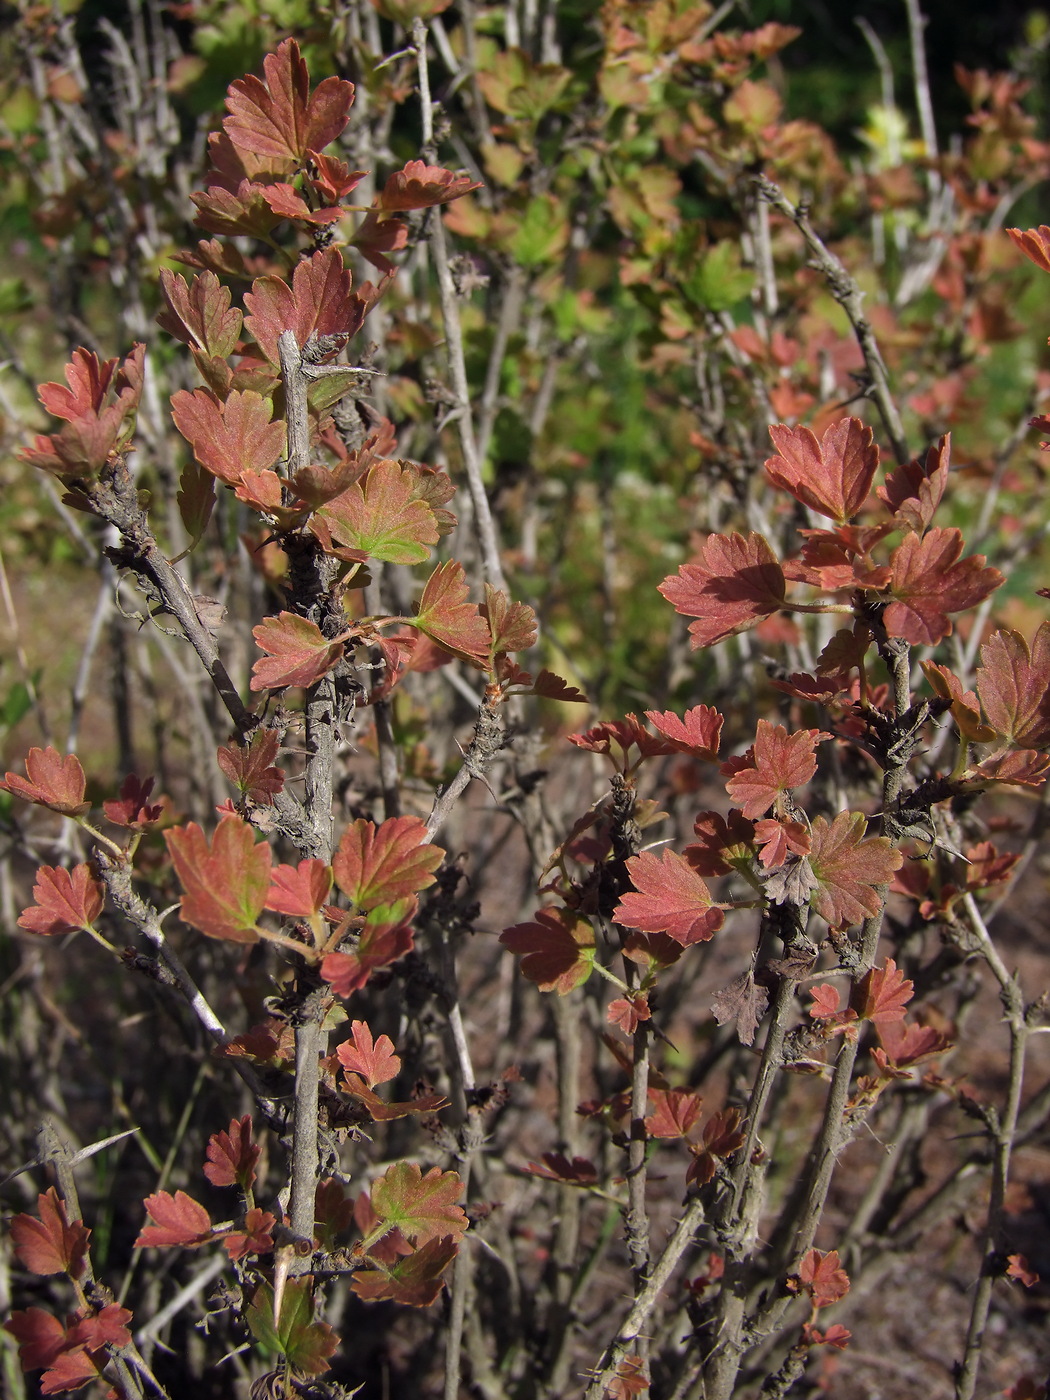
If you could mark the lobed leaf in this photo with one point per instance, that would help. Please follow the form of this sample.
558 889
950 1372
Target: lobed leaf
300 891
833 475
413 1279
373 1060
776 763
380 865
231 438
387 935
421 1205
200 314
299 652
278 117
557 948
66 900
52 780
232 1155
1014 686
178 1220
53 1244
849 868
445 615
669 897
928 581
382 516
306 1344
226 881
732 584
320 302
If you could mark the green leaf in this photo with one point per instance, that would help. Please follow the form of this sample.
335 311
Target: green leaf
306 1344
719 282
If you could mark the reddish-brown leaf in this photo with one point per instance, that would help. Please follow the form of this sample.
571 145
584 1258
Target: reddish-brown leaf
628 1012
66 900
320 302
383 940
776 763
581 1171
965 709
776 840
232 1155
374 1061
377 865
40 1337
1018 1266
278 117
285 200
177 1220
1034 243
630 1380
553 687
697 734
255 1238
445 615
52 780
250 768
231 438
419 185
226 882
558 949
300 891
834 475
929 580
913 492
675 1112
822 1277
723 844
70 1370
53 1244
907 1043
731 585
385 1110
617 736
512 625
421 1205
882 994
413 1279
200 314
848 867
133 807
824 1002
1014 686
670 898
298 652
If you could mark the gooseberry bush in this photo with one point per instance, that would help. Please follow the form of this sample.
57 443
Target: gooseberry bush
514 1083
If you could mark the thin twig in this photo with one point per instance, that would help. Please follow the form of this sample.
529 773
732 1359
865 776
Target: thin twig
850 297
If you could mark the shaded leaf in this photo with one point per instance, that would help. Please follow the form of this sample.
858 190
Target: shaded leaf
40 1337
232 1155
200 314
1034 243
255 1238
53 1244
196 500
557 948
914 491
250 767
834 475
66 900
744 1001
414 1279
733 583
670 898
226 882
581 1171
386 936
306 1344
512 625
